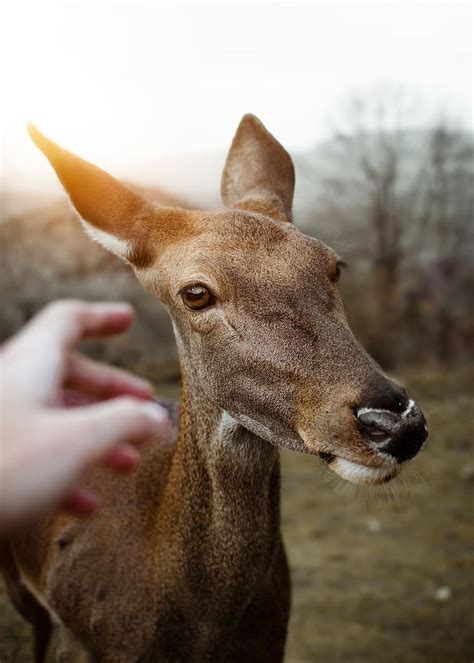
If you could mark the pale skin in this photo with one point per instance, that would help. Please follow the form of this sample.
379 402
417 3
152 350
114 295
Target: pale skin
47 447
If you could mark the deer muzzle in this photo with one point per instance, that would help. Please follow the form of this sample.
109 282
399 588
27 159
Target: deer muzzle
398 434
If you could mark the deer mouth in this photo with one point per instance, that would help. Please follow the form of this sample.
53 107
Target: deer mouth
359 473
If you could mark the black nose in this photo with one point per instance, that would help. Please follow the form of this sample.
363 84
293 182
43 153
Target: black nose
400 434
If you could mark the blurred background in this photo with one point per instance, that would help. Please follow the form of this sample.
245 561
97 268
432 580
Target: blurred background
374 102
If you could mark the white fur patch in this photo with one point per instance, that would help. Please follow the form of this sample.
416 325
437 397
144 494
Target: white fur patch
405 413
409 408
256 427
112 243
239 445
362 474
227 427
366 410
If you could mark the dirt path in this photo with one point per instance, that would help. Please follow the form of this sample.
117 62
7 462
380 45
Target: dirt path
377 578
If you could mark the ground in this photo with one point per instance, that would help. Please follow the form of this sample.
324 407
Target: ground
377 576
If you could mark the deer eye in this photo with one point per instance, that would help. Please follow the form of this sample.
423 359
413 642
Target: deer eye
337 271
197 297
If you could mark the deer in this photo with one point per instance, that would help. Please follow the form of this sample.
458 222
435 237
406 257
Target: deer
185 561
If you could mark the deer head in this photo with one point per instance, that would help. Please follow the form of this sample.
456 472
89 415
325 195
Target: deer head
259 321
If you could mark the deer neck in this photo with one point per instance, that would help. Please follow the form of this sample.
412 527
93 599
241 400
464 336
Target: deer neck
223 485
217 450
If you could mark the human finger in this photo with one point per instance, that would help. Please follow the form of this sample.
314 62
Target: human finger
102 382
124 458
37 356
69 321
83 502
80 502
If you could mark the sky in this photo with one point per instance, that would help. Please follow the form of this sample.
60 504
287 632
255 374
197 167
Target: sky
128 84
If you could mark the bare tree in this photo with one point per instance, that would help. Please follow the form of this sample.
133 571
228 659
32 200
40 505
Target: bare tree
448 225
372 182
401 188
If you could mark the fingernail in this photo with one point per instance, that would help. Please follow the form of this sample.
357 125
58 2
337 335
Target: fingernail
146 386
124 458
80 502
117 306
119 309
157 412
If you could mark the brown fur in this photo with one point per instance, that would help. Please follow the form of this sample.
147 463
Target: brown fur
185 560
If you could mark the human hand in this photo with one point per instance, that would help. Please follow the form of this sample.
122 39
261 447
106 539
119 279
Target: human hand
46 447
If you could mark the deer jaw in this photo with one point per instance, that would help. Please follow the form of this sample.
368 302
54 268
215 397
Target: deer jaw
270 346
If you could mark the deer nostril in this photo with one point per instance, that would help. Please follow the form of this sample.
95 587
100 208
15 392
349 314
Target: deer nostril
377 425
376 435
399 434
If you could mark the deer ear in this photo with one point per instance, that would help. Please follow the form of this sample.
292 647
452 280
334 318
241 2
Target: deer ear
258 175
110 212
